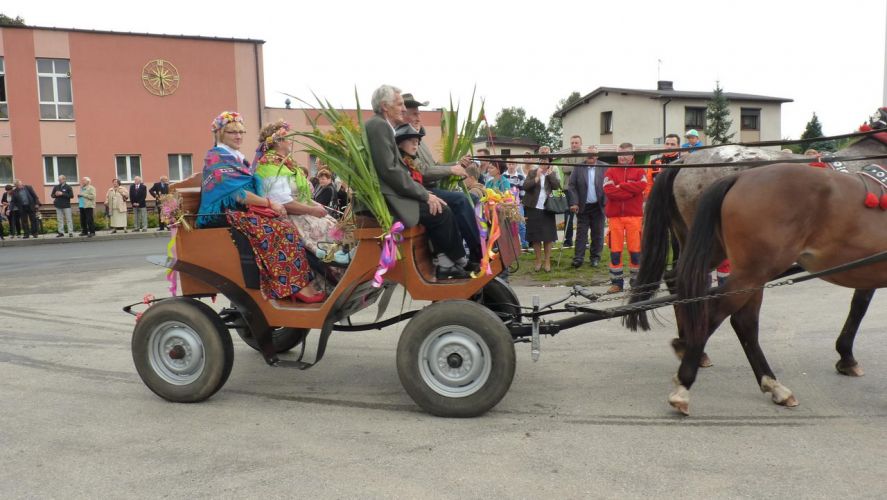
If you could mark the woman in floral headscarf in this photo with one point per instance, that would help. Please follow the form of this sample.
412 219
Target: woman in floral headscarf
231 193
284 182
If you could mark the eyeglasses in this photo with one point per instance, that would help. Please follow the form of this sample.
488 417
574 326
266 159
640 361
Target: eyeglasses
235 132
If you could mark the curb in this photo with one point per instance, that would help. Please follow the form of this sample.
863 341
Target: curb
51 239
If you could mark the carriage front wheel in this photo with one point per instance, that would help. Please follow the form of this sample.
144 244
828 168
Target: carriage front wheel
182 350
456 359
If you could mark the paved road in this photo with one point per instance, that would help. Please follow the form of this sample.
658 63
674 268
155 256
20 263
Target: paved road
588 420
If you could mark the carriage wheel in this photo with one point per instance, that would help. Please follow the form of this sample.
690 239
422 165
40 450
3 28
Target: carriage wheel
456 359
182 350
285 339
499 297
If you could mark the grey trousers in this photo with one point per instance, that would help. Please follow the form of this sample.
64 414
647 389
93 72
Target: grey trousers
64 215
140 217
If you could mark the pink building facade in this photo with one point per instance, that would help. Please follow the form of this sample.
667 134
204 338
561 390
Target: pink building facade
115 105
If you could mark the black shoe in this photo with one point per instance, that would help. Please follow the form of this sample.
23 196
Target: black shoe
595 262
82 234
472 267
450 273
576 263
568 244
60 235
90 235
26 236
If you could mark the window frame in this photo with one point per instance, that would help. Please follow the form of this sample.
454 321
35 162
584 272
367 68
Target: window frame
129 158
11 170
55 167
4 102
695 109
750 112
179 157
606 122
55 89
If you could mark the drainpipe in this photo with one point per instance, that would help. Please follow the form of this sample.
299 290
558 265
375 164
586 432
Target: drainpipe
258 82
663 119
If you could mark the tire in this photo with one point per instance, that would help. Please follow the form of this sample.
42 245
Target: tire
182 350
285 339
475 350
498 296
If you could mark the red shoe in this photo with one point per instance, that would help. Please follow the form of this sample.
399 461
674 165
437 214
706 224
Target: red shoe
312 299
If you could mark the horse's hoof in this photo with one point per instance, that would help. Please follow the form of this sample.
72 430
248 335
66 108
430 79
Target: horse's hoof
780 394
789 402
705 361
853 370
679 399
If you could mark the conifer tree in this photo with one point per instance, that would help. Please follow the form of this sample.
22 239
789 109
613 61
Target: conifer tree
717 117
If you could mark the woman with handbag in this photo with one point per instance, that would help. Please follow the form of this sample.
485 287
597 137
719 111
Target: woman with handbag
541 225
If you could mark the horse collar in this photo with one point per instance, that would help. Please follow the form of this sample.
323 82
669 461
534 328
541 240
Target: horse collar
879 175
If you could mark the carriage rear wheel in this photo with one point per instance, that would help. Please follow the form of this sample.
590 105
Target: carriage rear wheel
182 350
456 359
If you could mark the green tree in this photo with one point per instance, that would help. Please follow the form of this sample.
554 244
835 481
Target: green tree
536 130
812 131
9 21
510 122
717 117
555 124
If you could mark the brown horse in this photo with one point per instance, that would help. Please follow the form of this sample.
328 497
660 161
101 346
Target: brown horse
763 220
672 205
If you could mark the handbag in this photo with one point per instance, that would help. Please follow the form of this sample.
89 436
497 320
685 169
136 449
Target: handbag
556 203
263 211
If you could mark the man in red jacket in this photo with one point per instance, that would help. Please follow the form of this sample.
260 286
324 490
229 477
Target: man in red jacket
624 188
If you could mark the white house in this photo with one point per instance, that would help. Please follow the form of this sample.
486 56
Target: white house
610 116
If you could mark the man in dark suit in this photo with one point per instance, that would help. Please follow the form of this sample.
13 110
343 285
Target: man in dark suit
25 200
138 194
588 205
409 202
157 190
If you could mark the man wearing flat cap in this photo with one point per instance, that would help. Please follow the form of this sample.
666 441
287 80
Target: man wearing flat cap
432 173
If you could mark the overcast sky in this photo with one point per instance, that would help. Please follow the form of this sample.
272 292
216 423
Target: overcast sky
828 56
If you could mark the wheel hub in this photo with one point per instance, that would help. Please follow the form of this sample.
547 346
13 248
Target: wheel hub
176 353
454 361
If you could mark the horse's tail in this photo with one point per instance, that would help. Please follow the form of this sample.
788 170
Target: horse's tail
701 252
659 212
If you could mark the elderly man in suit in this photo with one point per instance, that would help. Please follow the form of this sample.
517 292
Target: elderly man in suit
586 187
409 202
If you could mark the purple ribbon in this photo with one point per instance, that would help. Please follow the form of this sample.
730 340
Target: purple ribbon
389 252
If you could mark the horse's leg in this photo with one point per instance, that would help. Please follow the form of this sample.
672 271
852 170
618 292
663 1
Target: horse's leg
719 309
847 365
745 324
678 344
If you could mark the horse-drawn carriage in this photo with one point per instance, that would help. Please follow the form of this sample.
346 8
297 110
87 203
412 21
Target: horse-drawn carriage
455 357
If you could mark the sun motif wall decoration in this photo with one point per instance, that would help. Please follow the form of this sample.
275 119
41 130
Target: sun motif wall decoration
160 77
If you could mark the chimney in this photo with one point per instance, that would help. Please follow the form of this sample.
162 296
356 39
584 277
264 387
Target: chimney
664 85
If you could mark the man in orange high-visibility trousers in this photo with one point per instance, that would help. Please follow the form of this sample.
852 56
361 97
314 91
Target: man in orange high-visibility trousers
624 188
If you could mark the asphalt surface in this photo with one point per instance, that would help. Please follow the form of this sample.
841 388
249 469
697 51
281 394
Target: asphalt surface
589 420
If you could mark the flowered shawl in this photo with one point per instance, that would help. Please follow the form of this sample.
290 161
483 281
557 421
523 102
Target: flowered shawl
226 180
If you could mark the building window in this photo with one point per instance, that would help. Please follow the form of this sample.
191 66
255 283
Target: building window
694 118
4 106
505 151
54 82
54 166
751 118
607 122
6 174
179 167
128 167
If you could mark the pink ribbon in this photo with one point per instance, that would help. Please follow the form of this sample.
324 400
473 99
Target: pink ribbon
389 252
